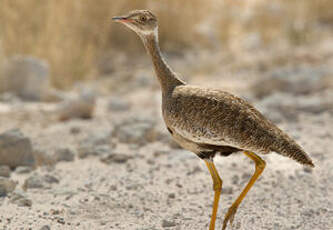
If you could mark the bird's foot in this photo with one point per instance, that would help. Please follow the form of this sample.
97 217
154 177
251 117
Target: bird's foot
229 217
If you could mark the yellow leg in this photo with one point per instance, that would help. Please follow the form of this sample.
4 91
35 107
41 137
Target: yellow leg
217 186
260 165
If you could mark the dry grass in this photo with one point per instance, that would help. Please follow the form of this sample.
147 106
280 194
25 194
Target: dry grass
73 35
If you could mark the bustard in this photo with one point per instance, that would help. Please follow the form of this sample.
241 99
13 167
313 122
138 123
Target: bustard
210 121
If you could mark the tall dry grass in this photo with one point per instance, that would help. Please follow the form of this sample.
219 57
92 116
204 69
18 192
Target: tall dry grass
74 35
71 35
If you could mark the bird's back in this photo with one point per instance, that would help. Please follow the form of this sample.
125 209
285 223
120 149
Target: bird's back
215 117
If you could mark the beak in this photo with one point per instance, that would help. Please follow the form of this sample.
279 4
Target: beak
120 19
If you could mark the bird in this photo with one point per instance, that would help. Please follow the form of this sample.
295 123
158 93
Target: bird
210 122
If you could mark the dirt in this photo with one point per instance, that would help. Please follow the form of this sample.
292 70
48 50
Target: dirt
152 184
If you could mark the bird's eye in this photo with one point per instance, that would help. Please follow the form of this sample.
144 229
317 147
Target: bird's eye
143 18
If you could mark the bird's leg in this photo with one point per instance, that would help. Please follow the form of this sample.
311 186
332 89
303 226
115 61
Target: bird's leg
217 186
260 165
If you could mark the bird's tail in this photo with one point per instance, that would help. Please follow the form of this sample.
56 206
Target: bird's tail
291 149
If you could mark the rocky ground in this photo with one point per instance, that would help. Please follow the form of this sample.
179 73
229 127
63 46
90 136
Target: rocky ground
90 160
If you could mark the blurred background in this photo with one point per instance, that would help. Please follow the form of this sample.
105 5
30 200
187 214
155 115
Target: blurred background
76 87
78 41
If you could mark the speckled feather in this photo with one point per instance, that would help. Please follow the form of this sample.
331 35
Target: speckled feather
211 117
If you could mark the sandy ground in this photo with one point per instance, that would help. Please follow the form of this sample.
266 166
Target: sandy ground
154 185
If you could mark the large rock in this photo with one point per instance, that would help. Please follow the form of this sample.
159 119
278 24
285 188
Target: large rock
15 149
26 77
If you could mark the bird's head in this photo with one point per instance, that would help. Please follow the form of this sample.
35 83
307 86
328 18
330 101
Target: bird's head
143 22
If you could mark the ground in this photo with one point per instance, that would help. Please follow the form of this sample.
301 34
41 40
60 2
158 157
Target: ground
139 179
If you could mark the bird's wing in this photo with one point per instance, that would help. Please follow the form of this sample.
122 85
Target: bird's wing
216 117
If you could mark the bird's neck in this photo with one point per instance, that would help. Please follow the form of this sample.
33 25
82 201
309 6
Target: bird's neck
167 78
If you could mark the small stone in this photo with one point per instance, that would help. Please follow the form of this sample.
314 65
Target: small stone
51 179
113 188
235 179
172 195
150 161
246 176
45 227
168 223
6 186
307 169
5 171
136 131
34 181
75 130
116 158
227 190
88 149
23 169
63 154
39 181
20 199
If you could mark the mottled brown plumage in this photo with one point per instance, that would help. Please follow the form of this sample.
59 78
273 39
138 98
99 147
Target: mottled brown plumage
214 117
210 121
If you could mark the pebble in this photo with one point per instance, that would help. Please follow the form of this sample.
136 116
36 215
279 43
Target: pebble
172 195
34 181
235 179
51 179
63 154
136 130
85 150
39 181
23 169
45 227
20 199
116 158
168 223
227 190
